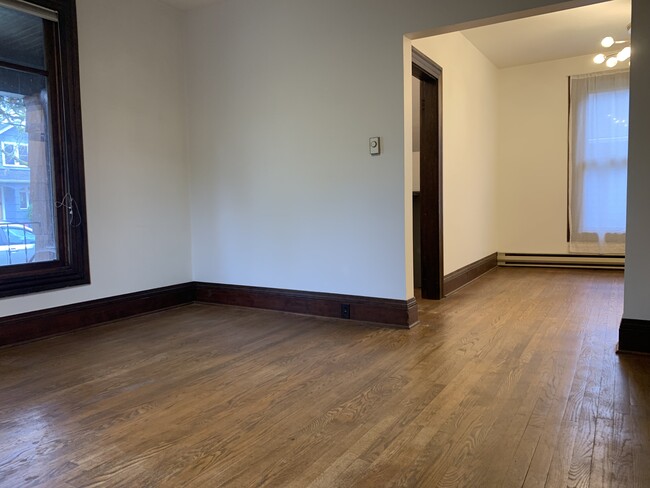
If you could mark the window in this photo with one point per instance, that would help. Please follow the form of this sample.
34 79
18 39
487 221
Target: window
43 200
14 153
23 196
598 162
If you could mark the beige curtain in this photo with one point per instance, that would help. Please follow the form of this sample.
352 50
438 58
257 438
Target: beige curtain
598 162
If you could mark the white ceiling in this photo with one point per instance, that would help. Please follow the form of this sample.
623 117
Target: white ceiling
558 35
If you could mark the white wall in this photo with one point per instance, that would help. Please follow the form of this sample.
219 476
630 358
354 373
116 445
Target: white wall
285 95
135 152
284 191
637 259
533 147
469 147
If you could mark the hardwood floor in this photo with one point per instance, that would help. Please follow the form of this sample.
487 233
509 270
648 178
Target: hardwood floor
512 381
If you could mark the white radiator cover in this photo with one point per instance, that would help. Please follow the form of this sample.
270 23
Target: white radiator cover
562 260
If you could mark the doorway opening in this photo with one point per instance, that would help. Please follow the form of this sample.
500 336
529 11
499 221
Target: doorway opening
427 192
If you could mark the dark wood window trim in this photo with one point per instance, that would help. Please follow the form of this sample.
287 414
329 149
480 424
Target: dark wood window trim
72 266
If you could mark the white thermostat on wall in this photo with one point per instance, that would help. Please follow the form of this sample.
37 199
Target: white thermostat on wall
374 146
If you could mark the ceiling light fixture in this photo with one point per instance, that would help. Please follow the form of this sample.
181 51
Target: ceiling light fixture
607 41
600 58
612 59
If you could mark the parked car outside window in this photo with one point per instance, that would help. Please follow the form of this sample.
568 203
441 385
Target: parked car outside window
17 244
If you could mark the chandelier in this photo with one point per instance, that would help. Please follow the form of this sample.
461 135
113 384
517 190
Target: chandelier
620 52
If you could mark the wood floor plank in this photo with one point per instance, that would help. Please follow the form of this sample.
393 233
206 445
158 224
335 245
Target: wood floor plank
511 381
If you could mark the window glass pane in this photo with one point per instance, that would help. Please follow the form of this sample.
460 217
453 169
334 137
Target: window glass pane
20 234
604 190
21 39
606 126
18 83
24 199
17 245
27 203
23 153
604 198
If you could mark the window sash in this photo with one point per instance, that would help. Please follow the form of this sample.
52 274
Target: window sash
30 8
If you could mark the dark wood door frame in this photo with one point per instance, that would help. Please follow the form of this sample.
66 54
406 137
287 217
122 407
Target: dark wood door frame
431 244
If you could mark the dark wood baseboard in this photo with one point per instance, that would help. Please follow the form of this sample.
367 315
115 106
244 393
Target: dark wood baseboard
394 313
53 321
634 336
459 278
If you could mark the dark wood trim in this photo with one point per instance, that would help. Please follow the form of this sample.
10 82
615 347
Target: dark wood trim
431 227
59 320
73 139
424 66
412 311
20 67
461 277
55 321
395 313
634 336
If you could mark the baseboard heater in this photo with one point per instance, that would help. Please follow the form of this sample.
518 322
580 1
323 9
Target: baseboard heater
590 261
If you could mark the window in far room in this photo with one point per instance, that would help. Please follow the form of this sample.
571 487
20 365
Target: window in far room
599 120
